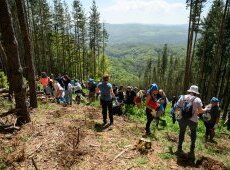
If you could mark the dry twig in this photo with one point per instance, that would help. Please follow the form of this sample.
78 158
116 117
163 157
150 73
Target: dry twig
34 164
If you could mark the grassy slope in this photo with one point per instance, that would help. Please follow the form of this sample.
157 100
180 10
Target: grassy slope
52 135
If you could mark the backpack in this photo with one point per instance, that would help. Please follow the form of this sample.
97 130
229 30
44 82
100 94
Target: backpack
186 110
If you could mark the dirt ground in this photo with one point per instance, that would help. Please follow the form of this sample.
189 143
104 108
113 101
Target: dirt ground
72 138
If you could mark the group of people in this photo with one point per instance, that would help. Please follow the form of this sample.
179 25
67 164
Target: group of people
60 87
186 110
189 108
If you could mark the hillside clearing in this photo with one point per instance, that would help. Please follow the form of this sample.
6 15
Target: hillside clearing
51 140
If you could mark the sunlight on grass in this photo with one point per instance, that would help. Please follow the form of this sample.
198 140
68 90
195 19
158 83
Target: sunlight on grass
211 150
141 160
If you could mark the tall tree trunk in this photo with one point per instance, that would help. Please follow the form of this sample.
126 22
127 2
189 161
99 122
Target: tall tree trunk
28 54
3 58
9 77
213 85
187 72
13 62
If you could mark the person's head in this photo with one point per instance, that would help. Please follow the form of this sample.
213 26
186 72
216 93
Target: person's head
121 88
153 90
66 78
105 77
128 88
215 101
43 74
193 90
52 76
161 92
135 89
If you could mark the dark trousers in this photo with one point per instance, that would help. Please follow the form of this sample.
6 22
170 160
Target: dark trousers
183 123
107 105
209 129
150 119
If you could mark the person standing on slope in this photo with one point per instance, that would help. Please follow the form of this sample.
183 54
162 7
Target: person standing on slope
107 94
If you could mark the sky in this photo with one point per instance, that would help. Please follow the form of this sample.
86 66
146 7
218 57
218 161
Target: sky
140 11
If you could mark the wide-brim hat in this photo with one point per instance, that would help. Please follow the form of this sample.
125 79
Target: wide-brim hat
193 89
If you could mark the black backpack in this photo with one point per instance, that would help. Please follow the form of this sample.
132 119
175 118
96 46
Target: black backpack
186 110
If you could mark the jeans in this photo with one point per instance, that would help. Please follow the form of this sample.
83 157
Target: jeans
209 129
183 123
60 100
68 97
107 105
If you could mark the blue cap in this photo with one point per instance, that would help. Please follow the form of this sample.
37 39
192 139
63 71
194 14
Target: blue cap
152 88
215 100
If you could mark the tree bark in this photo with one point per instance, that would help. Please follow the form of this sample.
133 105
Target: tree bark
4 61
28 54
218 57
13 62
187 62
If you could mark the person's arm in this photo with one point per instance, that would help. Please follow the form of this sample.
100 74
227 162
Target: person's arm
111 92
97 90
201 110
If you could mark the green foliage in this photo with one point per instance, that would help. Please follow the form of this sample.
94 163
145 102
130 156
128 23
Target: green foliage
3 80
132 64
142 160
219 152
2 165
166 155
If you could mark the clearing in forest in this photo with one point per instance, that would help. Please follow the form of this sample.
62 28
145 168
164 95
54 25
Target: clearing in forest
72 138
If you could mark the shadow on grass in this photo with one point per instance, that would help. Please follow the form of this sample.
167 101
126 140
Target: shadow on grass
100 127
184 160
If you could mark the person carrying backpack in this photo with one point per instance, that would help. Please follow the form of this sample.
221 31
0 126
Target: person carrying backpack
211 117
190 106
107 94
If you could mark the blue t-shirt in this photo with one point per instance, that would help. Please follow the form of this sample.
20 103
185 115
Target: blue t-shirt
105 89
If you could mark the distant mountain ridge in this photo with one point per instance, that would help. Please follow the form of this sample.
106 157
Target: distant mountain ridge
148 34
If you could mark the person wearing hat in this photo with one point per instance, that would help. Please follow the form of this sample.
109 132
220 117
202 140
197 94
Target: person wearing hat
151 105
191 122
107 94
211 118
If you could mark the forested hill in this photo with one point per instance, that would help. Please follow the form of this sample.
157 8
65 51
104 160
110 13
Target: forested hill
142 33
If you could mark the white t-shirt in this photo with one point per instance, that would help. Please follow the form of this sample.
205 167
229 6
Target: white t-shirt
57 86
196 104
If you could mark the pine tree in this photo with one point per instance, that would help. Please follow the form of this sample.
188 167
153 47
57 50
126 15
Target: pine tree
13 62
94 36
28 53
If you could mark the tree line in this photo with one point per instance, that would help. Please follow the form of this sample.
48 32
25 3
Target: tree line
35 37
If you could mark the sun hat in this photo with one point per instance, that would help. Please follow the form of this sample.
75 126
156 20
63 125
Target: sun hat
193 89
214 100
152 88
